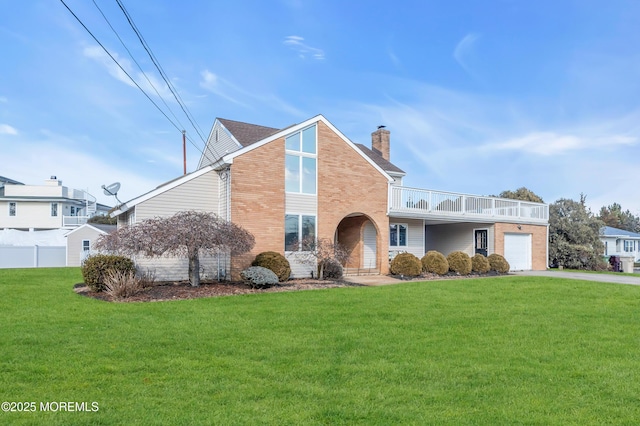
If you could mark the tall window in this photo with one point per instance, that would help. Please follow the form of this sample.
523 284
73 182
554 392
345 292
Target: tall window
54 209
86 246
12 209
397 235
298 229
300 161
73 211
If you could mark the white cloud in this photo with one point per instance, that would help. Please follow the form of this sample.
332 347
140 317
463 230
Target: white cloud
552 143
5 129
304 50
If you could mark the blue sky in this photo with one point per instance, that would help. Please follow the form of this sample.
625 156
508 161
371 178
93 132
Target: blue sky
479 96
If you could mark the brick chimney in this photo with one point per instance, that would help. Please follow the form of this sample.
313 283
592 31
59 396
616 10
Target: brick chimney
380 142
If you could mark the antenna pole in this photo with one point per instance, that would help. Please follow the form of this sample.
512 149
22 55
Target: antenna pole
184 150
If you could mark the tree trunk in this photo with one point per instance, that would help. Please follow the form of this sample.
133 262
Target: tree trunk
194 270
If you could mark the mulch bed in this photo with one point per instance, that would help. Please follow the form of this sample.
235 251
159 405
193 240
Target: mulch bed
181 290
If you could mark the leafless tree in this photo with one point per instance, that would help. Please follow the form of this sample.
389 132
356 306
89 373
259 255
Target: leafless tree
322 251
185 234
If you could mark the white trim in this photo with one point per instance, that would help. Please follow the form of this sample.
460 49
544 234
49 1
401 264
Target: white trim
406 236
473 236
124 207
88 225
228 159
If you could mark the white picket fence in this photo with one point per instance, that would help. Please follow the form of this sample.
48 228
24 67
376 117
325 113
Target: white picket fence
32 256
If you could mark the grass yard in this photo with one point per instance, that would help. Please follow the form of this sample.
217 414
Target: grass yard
508 350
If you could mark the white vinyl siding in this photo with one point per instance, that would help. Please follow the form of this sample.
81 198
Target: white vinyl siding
30 214
199 194
415 236
457 237
177 268
301 203
219 144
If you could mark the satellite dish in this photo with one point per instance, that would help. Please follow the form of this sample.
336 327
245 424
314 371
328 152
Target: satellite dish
112 190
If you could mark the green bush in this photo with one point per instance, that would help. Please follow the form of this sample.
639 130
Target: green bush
275 262
459 262
95 268
498 263
480 264
435 263
406 264
332 270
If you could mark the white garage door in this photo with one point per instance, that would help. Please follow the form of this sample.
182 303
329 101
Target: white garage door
517 251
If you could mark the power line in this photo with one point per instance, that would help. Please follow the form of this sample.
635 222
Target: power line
159 68
136 84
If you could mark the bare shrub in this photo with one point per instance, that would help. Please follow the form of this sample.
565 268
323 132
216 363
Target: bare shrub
122 284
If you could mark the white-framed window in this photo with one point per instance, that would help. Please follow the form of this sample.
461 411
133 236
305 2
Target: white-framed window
629 246
12 209
86 246
298 229
73 211
398 234
54 209
301 171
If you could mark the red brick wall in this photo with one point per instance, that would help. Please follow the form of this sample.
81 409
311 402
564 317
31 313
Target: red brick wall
348 184
258 200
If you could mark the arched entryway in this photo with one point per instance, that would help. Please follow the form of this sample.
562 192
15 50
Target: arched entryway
358 234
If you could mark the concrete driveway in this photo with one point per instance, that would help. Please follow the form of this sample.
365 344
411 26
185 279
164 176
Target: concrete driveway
604 278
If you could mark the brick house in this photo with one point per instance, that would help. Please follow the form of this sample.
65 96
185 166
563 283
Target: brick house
310 180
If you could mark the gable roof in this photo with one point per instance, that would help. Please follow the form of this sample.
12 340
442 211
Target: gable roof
159 190
228 159
101 228
246 133
609 231
385 165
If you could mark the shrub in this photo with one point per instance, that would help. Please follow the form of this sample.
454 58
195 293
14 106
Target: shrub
95 268
479 263
406 264
459 262
122 284
435 262
498 263
259 277
332 269
275 262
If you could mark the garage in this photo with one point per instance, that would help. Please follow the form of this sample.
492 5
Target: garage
517 251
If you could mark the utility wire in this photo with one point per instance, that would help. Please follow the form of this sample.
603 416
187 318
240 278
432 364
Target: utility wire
136 62
134 82
160 70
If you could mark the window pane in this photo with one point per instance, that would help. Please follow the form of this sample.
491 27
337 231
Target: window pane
291 236
12 209
309 229
292 142
402 235
393 235
292 173
309 140
308 175
54 209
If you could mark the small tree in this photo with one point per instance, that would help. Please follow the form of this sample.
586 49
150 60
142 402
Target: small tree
322 251
185 234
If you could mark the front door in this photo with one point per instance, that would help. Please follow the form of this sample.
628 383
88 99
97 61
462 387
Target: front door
481 245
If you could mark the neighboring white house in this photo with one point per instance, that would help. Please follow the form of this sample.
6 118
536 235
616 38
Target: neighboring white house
81 240
44 207
618 242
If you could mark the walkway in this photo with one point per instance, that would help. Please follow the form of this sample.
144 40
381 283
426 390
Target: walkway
604 278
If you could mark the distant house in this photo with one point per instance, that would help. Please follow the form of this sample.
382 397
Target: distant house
45 207
310 181
81 241
618 242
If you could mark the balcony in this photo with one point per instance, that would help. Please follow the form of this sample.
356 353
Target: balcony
451 206
74 221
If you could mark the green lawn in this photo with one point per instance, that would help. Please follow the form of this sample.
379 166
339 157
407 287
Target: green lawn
509 350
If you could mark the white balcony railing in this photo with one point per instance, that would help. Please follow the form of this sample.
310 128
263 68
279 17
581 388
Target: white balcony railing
73 221
427 203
